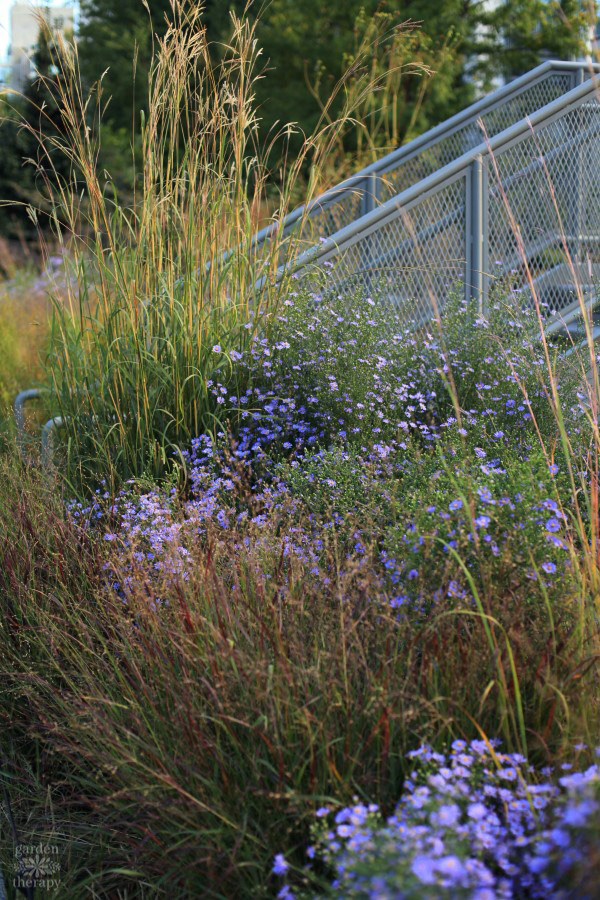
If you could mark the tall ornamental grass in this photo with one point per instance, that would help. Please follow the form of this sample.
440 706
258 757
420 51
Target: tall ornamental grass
188 680
168 289
387 548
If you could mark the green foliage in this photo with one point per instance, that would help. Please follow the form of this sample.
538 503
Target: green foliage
32 161
536 29
334 484
306 47
479 503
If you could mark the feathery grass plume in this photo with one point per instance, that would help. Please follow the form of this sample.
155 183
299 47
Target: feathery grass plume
168 287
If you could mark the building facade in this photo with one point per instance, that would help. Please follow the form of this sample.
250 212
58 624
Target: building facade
24 32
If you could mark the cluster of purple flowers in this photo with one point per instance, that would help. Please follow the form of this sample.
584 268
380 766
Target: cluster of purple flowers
345 412
427 453
504 518
473 823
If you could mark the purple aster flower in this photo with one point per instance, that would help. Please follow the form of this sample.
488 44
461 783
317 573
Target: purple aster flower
577 815
285 893
553 525
560 837
423 868
446 815
452 867
280 866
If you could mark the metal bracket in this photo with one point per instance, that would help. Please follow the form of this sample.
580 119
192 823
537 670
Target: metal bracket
48 440
19 413
47 446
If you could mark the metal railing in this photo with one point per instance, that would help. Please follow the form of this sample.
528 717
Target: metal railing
48 430
513 205
430 215
411 163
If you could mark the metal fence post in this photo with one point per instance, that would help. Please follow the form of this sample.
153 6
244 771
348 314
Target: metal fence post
368 203
370 194
48 432
477 233
575 200
575 187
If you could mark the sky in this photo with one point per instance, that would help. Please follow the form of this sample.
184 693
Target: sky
5 7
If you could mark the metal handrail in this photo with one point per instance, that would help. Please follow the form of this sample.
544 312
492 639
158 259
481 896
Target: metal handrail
19 413
469 165
403 202
470 115
48 430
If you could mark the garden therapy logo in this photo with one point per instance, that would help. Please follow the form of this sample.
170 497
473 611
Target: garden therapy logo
36 866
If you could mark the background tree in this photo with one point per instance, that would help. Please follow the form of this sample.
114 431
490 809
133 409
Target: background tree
27 167
16 176
115 41
307 45
306 48
533 30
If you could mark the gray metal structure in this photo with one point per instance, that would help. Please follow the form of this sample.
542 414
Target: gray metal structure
21 399
508 187
48 431
523 204
389 176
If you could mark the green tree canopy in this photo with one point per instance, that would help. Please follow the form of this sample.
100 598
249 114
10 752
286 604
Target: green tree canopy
306 47
310 42
26 166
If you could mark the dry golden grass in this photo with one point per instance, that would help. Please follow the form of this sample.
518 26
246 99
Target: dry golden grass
25 315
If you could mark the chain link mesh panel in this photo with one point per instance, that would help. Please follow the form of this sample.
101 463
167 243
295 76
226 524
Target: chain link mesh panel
413 258
393 178
544 207
470 135
540 221
331 217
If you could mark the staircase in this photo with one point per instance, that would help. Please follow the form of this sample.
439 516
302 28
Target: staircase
507 189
